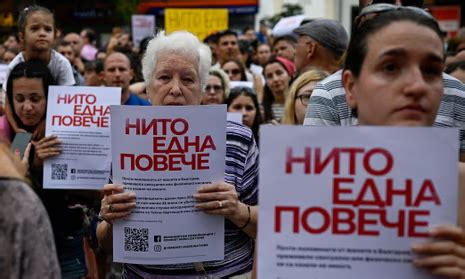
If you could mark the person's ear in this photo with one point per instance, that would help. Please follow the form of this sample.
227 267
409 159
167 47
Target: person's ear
311 49
348 81
21 36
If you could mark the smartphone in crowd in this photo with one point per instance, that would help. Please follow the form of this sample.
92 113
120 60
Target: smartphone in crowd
20 143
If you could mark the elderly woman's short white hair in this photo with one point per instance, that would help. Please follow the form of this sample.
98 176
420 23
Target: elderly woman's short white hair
177 42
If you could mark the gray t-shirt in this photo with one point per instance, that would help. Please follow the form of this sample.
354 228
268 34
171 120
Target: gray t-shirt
26 237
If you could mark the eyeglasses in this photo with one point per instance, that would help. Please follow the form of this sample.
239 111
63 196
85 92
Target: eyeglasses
232 72
304 98
215 88
382 8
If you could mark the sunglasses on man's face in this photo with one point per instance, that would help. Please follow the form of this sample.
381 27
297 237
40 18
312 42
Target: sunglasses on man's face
383 8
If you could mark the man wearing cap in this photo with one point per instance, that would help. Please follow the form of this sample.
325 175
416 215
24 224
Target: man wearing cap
320 45
328 106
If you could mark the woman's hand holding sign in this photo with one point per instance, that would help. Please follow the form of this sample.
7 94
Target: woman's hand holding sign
445 256
46 148
218 199
116 203
222 199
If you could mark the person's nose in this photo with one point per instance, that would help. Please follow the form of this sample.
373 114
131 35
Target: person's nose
209 89
27 106
175 88
274 78
416 85
42 32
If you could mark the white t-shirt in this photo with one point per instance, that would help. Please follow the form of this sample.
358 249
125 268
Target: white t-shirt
59 67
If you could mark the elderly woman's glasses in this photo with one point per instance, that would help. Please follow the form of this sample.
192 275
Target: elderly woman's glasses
382 8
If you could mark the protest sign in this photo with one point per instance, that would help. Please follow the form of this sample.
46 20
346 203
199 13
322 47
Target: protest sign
142 26
348 202
200 22
80 117
235 117
234 84
286 25
164 154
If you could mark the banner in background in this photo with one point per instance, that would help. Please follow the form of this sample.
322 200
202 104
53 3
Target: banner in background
200 22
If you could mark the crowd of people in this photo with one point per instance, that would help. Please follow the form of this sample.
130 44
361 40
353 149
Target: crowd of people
396 70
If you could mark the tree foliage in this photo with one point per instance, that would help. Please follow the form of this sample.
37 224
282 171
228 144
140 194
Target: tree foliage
125 9
288 10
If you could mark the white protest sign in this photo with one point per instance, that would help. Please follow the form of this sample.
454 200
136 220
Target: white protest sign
235 117
80 117
234 84
286 25
164 154
142 26
348 202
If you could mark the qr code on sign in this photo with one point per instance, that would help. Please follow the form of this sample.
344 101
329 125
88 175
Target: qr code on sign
59 171
136 240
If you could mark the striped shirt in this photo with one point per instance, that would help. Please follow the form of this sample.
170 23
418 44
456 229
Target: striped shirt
328 106
278 111
242 172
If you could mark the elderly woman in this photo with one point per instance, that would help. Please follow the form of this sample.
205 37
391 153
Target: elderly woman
175 70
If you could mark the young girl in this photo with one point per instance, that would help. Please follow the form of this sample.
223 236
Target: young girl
37 31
